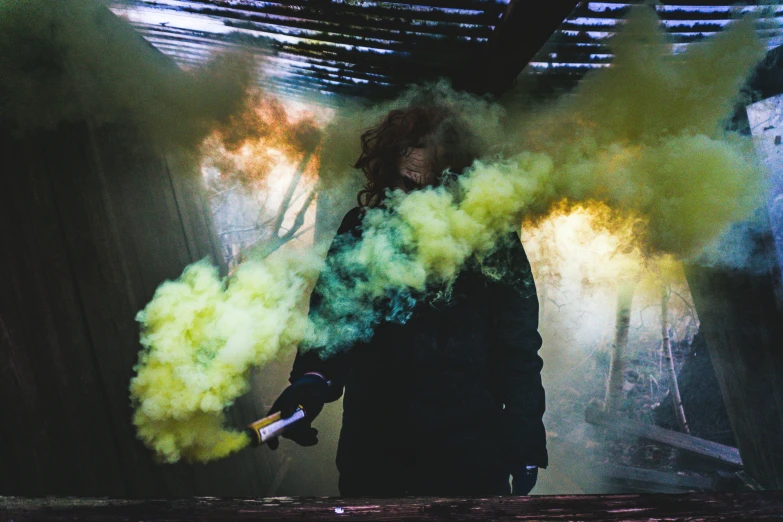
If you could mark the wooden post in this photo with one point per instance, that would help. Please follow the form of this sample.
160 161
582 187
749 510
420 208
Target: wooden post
512 44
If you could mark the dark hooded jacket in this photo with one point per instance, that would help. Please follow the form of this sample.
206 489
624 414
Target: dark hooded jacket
455 390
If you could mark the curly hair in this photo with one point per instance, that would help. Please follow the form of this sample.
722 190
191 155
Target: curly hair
403 129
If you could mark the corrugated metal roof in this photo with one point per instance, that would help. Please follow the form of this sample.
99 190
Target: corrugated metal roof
371 49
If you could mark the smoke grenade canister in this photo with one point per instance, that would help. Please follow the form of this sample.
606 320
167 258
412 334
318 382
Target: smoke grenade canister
264 429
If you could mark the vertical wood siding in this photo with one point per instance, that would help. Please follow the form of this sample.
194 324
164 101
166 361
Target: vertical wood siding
92 220
742 321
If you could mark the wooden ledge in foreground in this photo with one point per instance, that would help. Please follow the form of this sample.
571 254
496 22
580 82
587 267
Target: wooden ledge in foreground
764 505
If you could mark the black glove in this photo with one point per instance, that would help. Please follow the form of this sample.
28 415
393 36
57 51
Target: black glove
310 391
523 480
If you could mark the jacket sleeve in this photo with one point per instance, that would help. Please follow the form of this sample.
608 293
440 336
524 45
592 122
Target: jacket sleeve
335 368
515 362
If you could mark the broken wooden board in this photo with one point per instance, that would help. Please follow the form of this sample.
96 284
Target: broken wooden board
635 479
706 448
694 506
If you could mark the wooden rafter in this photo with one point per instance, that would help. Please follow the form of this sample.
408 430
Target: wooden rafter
514 42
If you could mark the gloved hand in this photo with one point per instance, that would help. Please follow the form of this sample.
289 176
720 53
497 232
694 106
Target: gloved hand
523 480
310 391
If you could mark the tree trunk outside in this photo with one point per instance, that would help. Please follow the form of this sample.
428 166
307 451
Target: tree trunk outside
666 347
614 387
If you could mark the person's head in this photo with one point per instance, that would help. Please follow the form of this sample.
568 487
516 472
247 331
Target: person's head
411 148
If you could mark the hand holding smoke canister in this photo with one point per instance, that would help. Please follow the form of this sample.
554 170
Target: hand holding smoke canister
292 413
271 426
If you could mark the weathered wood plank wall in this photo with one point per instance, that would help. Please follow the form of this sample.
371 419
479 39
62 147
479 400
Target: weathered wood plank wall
741 316
92 220
742 321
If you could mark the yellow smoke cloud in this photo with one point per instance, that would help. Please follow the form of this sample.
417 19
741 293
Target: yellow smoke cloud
595 244
643 138
596 247
201 339
647 134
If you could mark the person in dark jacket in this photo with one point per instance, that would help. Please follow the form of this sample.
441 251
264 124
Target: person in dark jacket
450 403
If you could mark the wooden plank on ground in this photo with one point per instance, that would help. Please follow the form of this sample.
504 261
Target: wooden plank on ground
651 480
765 505
705 448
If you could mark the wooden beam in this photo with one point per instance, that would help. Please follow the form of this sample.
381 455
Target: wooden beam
331 72
427 65
372 39
336 20
619 11
713 450
435 10
514 42
698 26
693 506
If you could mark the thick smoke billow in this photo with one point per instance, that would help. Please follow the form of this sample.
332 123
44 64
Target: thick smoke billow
647 135
643 137
419 243
243 148
202 338
72 60
583 256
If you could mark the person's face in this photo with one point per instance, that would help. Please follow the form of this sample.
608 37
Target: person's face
418 168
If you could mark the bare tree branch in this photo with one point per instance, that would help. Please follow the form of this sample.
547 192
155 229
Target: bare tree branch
245 229
303 231
286 203
223 191
614 385
271 245
689 305
300 216
679 411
